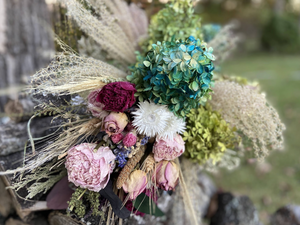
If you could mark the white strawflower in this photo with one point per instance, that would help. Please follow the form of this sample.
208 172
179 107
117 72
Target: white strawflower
151 119
174 125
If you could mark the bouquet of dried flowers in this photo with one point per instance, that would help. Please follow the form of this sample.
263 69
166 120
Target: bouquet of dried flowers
124 130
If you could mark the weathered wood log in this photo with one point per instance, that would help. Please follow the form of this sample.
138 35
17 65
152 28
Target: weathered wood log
57 218
26 44
13 136
19 110
6 205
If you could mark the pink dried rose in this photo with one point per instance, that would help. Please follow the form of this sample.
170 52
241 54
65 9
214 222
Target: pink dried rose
116 138
166 175
115 123
96 108
88 168
130 139
135 184
168 149
117 96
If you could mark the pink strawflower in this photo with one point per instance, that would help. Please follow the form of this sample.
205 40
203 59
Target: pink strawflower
89 169
115 123
96 108
168 149
130 139
117 96
166 175
135 184
116 138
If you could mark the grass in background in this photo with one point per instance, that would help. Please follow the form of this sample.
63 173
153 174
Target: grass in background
279 77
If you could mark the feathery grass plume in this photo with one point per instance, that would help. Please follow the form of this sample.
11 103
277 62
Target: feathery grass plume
248 111
41 179
224 42
70 73
104 30
132 19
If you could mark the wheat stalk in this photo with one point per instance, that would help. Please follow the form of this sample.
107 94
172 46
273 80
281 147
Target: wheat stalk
132 162
149 163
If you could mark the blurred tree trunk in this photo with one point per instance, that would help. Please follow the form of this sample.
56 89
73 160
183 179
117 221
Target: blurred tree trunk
25 42
279 6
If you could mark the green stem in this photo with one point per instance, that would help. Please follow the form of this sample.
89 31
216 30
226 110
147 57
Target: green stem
99 145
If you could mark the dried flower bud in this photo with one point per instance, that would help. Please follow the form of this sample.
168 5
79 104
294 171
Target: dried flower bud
135 184
167 175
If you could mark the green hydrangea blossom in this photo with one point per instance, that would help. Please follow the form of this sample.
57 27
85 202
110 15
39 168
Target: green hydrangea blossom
177 74
207 135
177 20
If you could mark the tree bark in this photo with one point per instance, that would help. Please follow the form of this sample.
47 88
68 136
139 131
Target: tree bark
26 43
279 6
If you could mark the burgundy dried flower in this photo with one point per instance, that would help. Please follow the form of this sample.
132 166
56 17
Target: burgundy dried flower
117 96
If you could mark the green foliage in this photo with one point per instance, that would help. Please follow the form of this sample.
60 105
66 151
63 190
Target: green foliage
42 179
93 198
145 205
281 34
78 199
177 74
207 135
76 202
176 20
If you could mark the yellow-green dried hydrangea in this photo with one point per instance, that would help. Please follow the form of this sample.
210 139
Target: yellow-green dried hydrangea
208 135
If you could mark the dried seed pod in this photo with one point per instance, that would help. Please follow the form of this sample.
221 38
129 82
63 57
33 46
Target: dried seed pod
130 166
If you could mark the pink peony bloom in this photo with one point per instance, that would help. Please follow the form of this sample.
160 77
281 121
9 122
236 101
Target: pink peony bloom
116 138
130 139
96 108
168 149
89 169
117 96
115 123
167 175
135 184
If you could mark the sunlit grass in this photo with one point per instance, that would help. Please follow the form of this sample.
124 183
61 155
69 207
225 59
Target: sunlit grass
279 77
